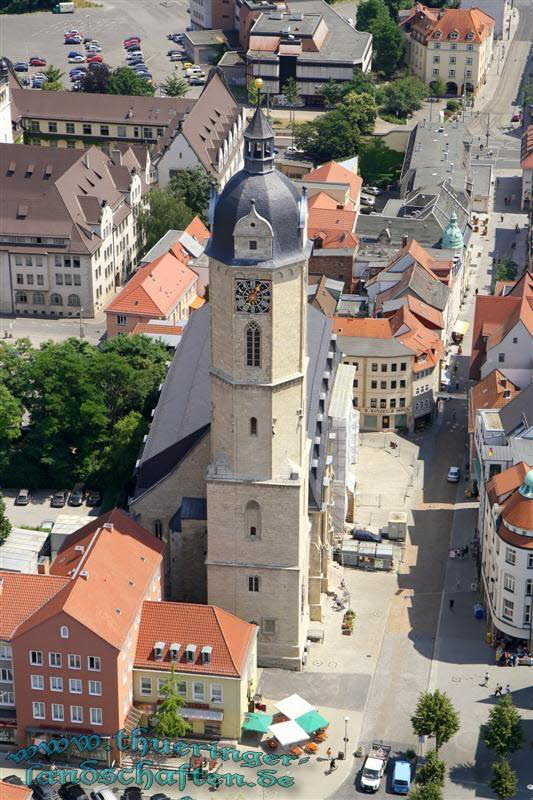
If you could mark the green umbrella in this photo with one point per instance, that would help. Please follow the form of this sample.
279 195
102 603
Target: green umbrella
257 722
311 721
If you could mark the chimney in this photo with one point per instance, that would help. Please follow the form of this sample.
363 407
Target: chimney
43 566
116 157
405 239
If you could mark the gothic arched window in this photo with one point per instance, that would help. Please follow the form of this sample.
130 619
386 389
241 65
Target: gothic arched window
253 426
252 514
253 345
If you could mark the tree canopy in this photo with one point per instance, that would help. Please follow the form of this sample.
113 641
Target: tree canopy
193 187
504 781
436 717
378 164
165 211
427 791
25 6
503 730
174 85
99 79
86 410
432 770
329 136
5 525
96 79
405 95
168 721
53 81
388 41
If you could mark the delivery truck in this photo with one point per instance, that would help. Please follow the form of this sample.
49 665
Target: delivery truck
374 767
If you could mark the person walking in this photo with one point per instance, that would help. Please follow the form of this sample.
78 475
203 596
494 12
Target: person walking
332 765
452 603
498 690
507 689
486 679
328 753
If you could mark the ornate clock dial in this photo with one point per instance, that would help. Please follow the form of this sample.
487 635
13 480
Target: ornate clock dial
252 296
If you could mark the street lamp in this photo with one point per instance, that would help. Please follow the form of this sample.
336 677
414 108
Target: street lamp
346 720
81 326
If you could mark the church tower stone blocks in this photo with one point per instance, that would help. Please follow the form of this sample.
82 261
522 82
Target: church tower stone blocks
257 479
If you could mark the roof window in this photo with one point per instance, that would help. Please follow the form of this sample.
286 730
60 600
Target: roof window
158 650
206 654
190 652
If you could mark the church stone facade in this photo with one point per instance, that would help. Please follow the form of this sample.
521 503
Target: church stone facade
236 471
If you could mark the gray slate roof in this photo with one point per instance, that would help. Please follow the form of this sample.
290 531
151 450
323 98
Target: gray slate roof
518 413
363 346
183 413
259 127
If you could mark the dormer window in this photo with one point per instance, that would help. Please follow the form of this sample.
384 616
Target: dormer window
437 34
454 35
158 650
174 651
190 652
470 35
206 654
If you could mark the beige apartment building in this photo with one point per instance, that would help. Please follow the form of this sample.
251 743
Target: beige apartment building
68 227
453 44
397 369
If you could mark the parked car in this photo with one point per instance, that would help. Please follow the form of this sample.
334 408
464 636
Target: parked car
94 48
454 475
372 190
187 65
72 32
173 52
132 47
366 536
76 59
177 37
401 777
59 499
23 497
47 525
38 83
40 76
132 793
14 779
76 495
196 80
367 200
44 791
37 61
20 66
25 81
103 793
178 57
73 40
73 791
94 498
131 39
78 71
87 39
96 59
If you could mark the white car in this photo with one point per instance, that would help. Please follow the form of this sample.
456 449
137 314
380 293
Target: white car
454 475
76 60
367 200
94 48
372 190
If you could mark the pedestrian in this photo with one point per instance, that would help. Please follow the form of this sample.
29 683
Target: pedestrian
477 290
507 689
486 680
332 765
498 690
501 217
328 753
452 603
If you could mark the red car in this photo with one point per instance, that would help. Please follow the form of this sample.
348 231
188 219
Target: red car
94 59
515 118
36 61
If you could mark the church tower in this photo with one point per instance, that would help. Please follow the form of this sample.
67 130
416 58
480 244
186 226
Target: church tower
257 507
6 123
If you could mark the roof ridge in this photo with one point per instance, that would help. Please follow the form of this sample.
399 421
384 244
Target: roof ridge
215 609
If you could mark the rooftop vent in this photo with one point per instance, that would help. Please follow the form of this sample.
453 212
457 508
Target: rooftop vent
79 548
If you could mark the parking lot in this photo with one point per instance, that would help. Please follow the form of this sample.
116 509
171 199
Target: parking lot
41 34
39 510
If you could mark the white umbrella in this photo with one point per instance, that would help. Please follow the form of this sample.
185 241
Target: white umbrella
288 732
294 706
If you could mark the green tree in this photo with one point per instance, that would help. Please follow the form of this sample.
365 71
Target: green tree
369 11
53 77
254 92
168 720
432 770
388 44
378 164
140 352
427 791
118 458
328 137
5 525
435 716
290 93
220 49
396 5
404 96
332 92
438 87
193 187
361 83
503 730
96 79
174 85
165 211
504 781
10 422
361 110
25 6
125 80
505 269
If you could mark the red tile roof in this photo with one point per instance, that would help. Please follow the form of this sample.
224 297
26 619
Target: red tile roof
146 327
425 312
335 173
494 391
526 152
364 328
120 563
440 26
155 289
518 511
188 623
494 317
21 595
506 481
9 791
197 230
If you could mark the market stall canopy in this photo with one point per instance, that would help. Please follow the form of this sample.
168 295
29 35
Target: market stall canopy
312 721
294 706
257 722
288 732
461 328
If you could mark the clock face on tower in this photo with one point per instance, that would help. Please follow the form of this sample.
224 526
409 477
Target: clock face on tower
252 296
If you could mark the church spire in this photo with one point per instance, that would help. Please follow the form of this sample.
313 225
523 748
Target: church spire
258 145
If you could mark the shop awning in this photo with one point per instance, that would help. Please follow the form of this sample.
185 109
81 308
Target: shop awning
461 327
312 721
257 722
294 706
288 732
202 713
